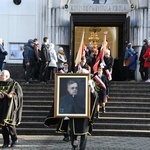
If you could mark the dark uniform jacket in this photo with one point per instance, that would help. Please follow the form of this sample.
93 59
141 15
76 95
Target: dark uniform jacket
11 109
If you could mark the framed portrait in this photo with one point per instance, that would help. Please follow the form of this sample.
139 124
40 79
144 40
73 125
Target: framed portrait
72 96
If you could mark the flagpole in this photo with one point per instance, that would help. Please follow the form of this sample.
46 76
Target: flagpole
80 50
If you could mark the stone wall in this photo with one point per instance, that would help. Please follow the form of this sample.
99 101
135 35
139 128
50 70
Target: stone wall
16 71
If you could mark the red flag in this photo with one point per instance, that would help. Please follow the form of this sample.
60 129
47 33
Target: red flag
101 54
99 81
95 67
80 51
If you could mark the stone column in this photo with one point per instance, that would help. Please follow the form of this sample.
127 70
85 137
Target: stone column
48 18
148 29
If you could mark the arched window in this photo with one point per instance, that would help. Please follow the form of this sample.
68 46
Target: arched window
17 2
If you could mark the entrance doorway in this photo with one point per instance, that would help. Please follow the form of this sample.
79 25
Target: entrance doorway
94 36
118 36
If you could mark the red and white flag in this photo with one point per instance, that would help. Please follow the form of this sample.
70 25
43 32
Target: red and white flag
99 81
61 71
101 54
98 59
80 51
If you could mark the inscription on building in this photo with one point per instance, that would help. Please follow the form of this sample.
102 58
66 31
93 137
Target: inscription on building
99 8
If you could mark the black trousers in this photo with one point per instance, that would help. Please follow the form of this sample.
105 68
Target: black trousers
44 72
83 141
31 70
9 130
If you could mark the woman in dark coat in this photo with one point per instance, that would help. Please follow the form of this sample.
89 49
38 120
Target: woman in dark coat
142 69
146 57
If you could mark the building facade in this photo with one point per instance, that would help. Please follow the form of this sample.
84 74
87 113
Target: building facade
63 21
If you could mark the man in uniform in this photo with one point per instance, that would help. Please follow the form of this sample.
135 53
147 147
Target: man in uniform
11 102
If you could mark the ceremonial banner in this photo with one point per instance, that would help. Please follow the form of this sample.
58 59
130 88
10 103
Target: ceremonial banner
80 51
101 54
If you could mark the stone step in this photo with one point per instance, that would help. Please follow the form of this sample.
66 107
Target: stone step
116 90
96 132
123 126
35 125
108 108
37 107
129 86
127 83
123 120
36 131
109 103
127 109
43 89
101 120
107 114
130 94
33 118
99 125
128 104
43 97
129 99
120 132
35 113
126 114
38 102
39 93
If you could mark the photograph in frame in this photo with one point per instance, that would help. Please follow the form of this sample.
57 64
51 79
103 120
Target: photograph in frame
72 96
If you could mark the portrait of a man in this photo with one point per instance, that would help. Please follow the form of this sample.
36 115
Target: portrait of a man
72 102
72 96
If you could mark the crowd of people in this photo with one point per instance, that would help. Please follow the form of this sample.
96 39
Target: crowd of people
43 63
131 60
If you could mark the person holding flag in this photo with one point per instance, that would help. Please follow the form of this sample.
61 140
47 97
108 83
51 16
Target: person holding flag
102 89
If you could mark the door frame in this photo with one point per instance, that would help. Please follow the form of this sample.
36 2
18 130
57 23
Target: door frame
101 20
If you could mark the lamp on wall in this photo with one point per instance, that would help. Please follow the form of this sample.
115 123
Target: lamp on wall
17 2
93 39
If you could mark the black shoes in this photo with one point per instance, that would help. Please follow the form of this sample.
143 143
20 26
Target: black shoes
66 139
5 146
74 147
14 143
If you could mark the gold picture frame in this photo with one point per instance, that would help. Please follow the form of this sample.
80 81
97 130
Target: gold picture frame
72 96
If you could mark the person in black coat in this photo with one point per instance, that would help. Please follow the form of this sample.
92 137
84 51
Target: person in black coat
142 69
11 103
45 59
29 60
3 53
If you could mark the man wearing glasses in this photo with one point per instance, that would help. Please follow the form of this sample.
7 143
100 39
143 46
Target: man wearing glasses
72 103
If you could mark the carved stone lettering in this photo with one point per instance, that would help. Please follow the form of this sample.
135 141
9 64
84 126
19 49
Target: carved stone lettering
99 8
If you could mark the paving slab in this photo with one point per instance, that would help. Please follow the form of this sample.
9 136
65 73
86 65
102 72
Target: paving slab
42 142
